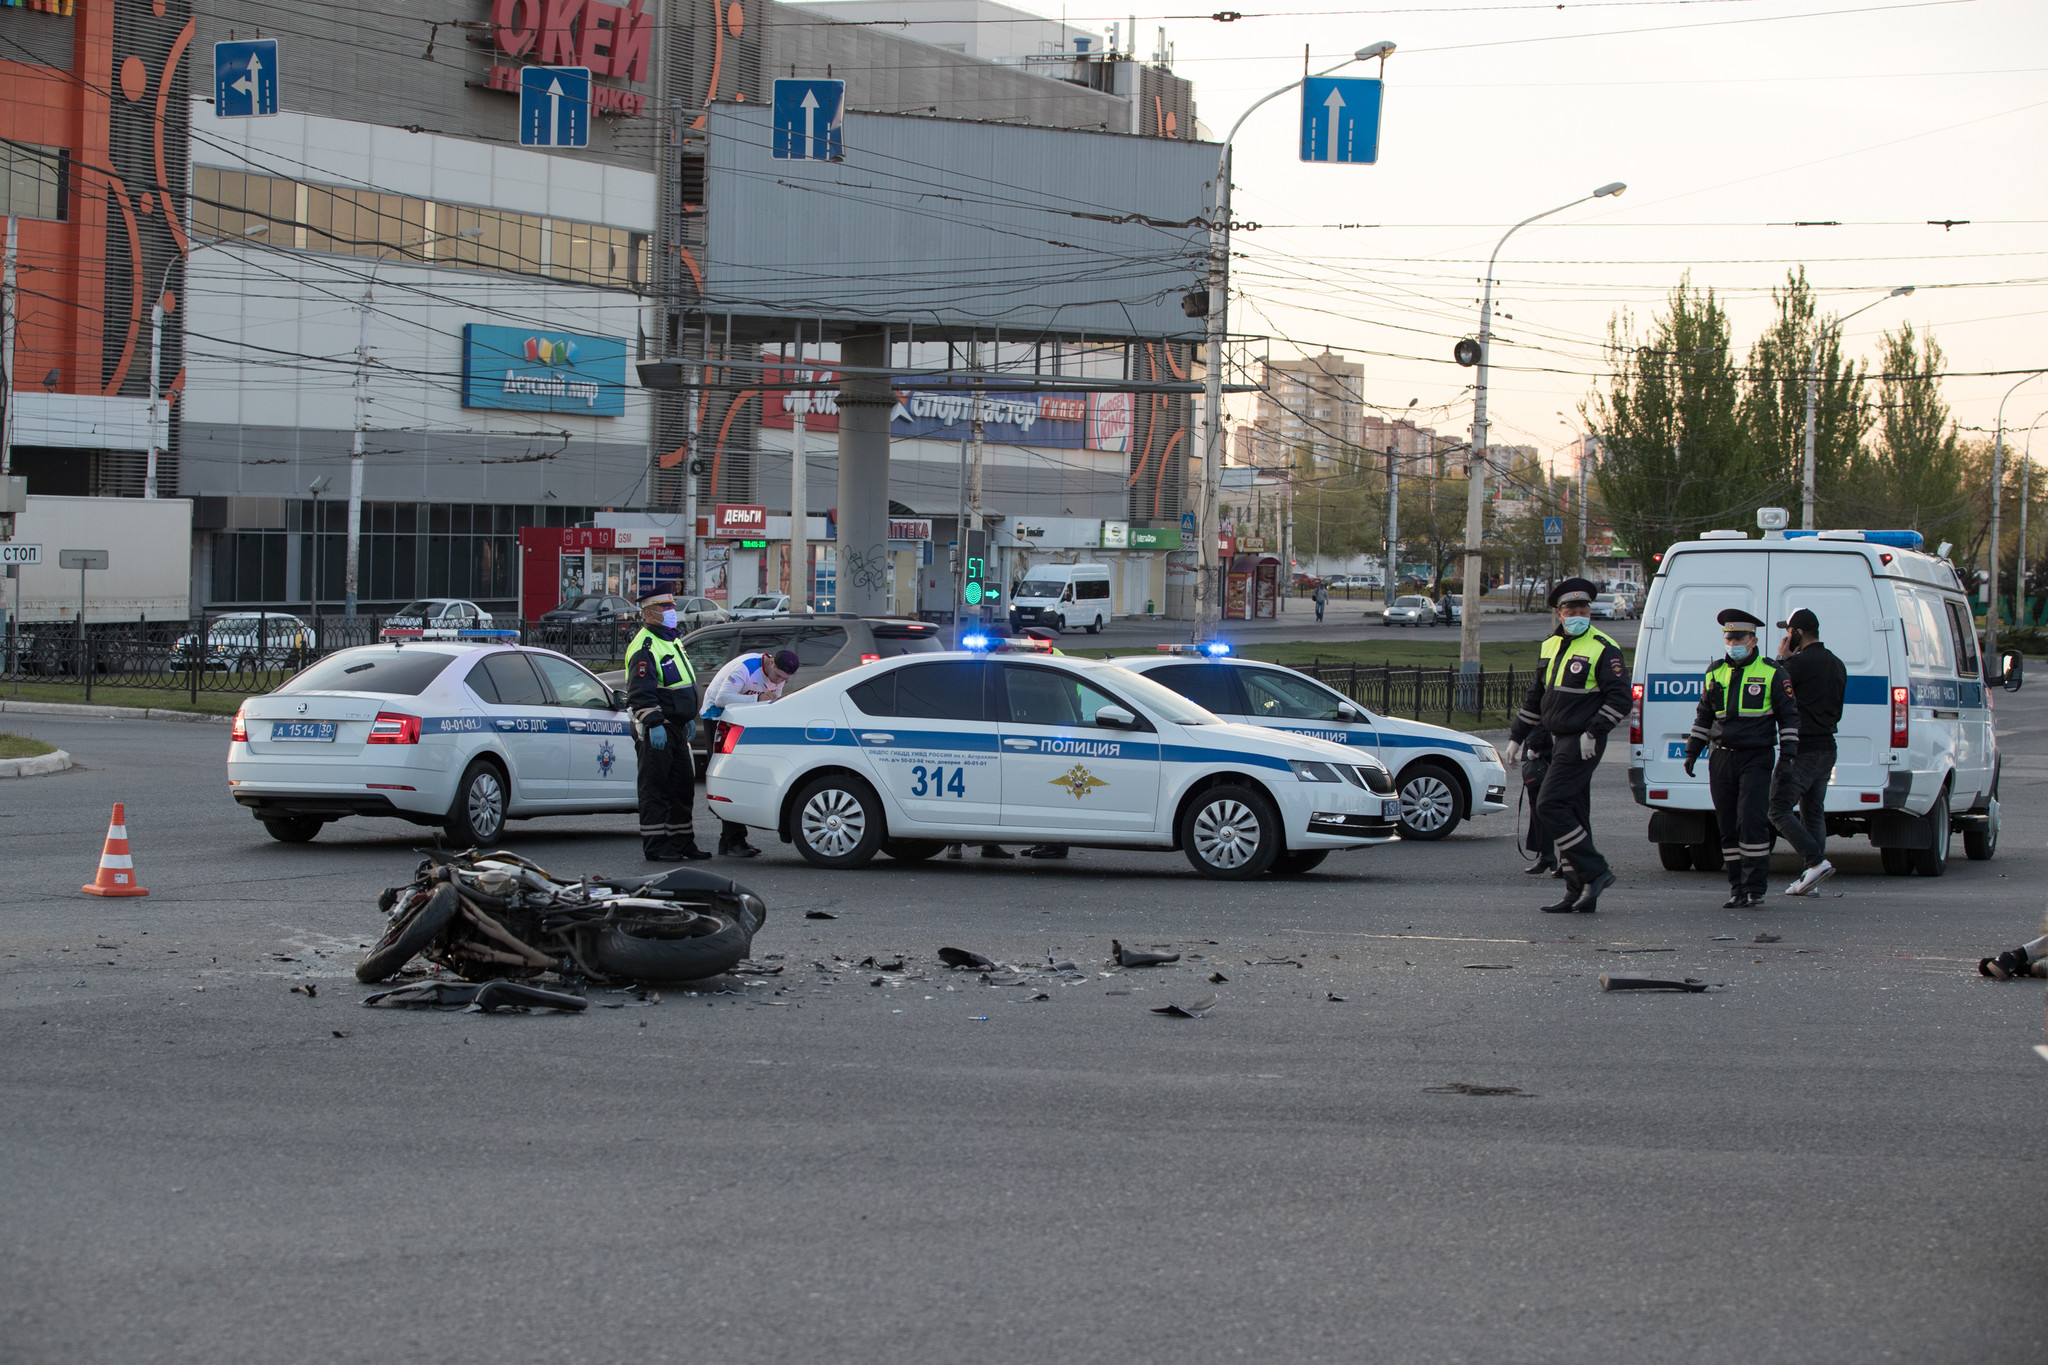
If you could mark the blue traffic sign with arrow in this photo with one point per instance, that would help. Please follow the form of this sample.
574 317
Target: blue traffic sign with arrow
554 106
810 120
245 79
1340 120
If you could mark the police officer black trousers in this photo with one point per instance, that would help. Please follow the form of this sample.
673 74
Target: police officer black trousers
1537 839
668 797
1565 806
1740 780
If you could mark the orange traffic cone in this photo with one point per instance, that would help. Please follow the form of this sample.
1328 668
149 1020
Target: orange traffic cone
117 870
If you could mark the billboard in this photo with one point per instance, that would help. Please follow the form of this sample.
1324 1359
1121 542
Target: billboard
531 370
1055 421
951 224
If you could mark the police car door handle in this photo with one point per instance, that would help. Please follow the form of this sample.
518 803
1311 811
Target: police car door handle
1020 744
875 737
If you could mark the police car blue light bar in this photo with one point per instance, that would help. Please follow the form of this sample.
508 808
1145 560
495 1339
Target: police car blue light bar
480 634
976 642
1214 649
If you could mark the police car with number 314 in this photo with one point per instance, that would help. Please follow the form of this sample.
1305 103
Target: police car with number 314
905 756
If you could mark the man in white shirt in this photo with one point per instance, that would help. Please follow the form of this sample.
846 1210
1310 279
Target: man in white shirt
747 680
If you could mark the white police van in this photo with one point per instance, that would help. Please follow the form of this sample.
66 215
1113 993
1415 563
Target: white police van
907 755
1444 777
1916 752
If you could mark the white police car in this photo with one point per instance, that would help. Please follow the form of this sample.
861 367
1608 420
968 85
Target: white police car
465 734
1444 776
907 755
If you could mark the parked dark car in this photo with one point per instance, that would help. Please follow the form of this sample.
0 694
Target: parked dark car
591 609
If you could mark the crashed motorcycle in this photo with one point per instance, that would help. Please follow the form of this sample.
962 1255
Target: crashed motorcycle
496 916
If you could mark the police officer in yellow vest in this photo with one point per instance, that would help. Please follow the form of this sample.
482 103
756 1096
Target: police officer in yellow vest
1747 713
662 694
1580 693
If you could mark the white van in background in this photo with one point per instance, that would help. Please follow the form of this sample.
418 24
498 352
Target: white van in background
1916 754
1062 595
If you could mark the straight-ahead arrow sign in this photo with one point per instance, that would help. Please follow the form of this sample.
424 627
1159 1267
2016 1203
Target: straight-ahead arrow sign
1340 120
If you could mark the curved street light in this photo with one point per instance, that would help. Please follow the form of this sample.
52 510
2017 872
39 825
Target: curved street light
1475 496
1806 478
1997 487
1219 293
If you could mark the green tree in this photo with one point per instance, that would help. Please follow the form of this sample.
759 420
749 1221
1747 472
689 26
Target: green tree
1774 404
1679 458
1917 472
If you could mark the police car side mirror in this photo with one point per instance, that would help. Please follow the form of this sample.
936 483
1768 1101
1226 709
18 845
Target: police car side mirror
2012 670
618 698
1346 711
1114 718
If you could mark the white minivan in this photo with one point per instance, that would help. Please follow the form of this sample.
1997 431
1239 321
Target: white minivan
1062 595
1916 754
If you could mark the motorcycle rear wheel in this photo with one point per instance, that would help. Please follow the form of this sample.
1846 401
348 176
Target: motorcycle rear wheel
657 960
408 937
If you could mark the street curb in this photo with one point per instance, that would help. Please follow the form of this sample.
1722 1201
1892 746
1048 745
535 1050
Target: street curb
35 767
70 708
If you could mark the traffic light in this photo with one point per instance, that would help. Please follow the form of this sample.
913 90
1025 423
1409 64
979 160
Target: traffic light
973 587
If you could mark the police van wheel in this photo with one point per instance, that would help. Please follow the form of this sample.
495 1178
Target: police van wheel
1898 862
837 822
1932 861
1675 857
1980 841
478 816
1707 858
1231 833
1295 862
1429 802
1095 626
912 850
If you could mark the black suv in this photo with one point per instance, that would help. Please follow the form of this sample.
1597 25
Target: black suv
591 609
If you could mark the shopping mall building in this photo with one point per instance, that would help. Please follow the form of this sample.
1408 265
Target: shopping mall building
380 267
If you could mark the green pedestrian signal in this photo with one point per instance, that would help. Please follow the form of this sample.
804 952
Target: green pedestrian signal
973 594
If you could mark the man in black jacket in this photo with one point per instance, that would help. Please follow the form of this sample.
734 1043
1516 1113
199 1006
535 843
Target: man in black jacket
1799 789
1580 692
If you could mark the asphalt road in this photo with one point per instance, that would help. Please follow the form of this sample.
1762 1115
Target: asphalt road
1832 1158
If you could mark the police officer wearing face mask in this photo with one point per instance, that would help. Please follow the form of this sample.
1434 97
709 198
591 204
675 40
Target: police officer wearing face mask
1747 713
1579 694
661 692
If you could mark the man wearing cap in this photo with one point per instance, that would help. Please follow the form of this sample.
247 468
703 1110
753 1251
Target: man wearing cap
1579 694
1747 714
661 692
748 680
1799 789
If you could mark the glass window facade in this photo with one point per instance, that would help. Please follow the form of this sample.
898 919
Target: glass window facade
34 181
389 227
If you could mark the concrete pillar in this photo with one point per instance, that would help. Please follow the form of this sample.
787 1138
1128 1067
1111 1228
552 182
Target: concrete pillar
864 406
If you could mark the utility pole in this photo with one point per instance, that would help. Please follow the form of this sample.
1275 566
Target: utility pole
799 494
355 456
1393 557
974 363
9 297
693 571
1584 558
960 550
1997 488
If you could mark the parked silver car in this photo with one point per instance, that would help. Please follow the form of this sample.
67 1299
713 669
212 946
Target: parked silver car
248 640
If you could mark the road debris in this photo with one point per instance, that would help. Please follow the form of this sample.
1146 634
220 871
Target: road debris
487 997
1217 978
962 959
1133 957
1194 1011
1489 966
870 963
819 914
1624 981
309 990
1767 938
1340 999
1464 1088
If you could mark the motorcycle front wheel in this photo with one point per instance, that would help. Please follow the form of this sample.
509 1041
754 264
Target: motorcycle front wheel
650 955
409 935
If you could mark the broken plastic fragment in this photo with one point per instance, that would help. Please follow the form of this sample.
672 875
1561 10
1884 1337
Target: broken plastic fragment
1621 981
1217 978
1132 957
960 957
819 914
1194 1011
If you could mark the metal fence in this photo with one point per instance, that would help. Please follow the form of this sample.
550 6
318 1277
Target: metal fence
1424 693
254 653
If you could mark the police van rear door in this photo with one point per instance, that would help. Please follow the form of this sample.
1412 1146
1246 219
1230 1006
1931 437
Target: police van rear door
1681 640
1837 588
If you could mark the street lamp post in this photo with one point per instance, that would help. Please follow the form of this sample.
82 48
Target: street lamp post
159 411
1206 610
1806 513
2019 578
1475 494
1997 487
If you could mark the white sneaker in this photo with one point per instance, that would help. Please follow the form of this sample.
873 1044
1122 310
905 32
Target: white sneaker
1808 880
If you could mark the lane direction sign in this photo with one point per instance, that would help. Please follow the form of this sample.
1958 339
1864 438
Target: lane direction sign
810 120
245 79
1340 120
554 106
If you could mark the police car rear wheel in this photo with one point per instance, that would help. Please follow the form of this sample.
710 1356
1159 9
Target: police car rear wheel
479 814
912 850
1429 803
1295 862
1231 833
1932 861
293 829
838 823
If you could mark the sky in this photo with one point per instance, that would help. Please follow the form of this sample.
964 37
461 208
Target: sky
1729 120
